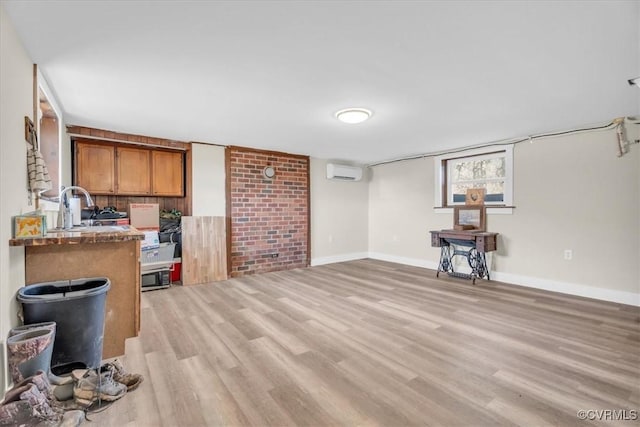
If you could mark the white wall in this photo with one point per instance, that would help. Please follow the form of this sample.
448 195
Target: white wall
401 213
339 212
570 192
208 174
16 102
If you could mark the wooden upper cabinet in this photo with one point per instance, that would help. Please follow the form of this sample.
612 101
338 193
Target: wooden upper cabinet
167 173
133 170
94 168
118 169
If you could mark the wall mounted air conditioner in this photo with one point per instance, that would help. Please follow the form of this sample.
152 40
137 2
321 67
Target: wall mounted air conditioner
344 172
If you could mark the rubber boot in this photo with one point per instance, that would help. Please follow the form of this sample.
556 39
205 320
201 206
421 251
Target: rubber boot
65 389
29 352
25 328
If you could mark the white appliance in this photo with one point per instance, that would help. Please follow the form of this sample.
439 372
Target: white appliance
344 172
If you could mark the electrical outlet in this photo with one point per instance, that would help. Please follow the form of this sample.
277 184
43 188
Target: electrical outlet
568 254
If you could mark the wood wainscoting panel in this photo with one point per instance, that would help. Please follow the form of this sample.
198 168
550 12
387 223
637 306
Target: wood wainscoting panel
204 249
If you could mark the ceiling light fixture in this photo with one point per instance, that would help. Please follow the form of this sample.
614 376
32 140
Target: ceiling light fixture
353 115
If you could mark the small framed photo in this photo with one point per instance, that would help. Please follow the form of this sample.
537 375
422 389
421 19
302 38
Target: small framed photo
29 226
475 196
469 217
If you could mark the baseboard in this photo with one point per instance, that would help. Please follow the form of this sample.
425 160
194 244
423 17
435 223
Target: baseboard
403 260
339 258
576 289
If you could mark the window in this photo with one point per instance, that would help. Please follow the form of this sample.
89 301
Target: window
50 133
490 168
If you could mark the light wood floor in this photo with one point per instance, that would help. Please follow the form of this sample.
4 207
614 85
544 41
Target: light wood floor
375 343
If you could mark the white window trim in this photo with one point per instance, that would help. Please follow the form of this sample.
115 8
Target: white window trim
508 189
44 86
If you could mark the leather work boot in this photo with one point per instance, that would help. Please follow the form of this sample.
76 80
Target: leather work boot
132 381
92 387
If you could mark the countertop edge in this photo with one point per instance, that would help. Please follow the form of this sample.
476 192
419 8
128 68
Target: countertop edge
80 237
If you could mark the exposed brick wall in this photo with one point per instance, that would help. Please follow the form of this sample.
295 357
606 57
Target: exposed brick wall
268 216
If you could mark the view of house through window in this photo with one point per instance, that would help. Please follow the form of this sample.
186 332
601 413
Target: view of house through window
487 171
489 168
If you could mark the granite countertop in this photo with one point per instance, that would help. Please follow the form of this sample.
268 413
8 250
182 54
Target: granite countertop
100 234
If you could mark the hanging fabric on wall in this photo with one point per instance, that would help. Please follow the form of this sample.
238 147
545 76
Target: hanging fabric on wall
39 180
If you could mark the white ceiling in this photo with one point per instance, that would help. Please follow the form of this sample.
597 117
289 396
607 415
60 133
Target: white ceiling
270 74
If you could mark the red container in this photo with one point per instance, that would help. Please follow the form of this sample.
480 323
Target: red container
176 272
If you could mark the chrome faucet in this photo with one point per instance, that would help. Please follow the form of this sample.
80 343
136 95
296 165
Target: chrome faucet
64 212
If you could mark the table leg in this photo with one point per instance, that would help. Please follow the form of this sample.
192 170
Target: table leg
484 265
478 264
445 260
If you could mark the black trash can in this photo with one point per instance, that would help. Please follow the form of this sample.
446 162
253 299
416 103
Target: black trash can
78 308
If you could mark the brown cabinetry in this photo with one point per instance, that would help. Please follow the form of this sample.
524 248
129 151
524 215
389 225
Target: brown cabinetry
167 173
118 169
95 168
133 171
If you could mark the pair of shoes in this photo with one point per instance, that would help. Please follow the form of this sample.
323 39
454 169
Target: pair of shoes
91 387
132 381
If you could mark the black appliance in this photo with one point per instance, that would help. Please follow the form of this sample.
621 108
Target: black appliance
155 279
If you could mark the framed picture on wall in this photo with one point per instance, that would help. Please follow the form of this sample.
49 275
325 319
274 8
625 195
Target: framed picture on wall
469 217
